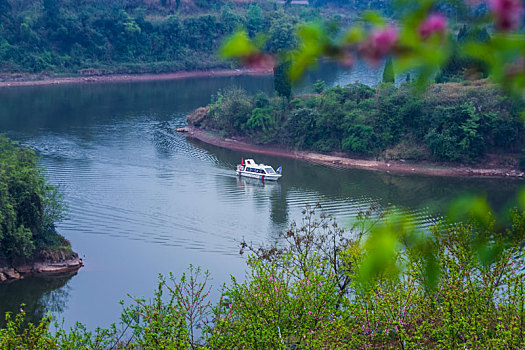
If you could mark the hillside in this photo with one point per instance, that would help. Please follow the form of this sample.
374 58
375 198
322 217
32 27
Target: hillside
137 36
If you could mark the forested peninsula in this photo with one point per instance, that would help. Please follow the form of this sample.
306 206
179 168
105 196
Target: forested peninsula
29 209
465 128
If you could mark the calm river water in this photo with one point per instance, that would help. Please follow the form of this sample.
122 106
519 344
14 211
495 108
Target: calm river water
143 200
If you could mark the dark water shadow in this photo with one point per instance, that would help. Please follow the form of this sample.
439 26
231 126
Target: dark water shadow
39 295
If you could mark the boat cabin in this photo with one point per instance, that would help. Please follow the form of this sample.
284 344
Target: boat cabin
251 169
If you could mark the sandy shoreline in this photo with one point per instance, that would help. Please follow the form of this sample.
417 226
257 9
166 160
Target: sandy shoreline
28 81
343 161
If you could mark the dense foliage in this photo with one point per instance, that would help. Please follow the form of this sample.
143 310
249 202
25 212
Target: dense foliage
458 122
29 207
134 35
292 295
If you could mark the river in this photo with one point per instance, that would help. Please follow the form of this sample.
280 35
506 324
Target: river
144 200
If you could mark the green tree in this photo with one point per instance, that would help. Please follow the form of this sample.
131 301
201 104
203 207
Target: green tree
388 72
360 139
319 86
301 127
255 20
281 81
281 35
457 135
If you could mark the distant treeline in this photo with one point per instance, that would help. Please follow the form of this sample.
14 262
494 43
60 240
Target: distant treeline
456 122
138 35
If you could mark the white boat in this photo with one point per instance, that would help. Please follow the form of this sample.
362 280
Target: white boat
253 170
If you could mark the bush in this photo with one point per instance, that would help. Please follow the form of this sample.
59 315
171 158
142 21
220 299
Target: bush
276 307
360 139
457 135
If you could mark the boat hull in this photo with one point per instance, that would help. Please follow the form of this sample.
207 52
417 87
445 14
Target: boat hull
264 177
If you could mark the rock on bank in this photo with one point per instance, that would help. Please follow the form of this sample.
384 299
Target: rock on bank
58 265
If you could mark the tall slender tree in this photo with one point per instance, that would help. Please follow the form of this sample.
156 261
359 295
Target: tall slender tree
388 72
281 81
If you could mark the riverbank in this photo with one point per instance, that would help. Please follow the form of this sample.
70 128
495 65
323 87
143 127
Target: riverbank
340 160
14 80
58 266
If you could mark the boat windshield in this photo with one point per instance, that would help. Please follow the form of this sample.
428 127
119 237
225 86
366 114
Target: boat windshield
269 170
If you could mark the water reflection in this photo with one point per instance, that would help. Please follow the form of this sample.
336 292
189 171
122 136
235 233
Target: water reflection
39 294
270 192
326 183
75 108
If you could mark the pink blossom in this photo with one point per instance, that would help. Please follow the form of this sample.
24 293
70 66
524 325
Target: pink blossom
508 13
309 312
435 23
380 43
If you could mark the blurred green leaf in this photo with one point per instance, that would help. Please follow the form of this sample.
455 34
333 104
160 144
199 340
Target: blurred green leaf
300 62
313 41
311 33
432 271
489 252
354 35
380 248
374 18
424 58
503 54
238 45
470 207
